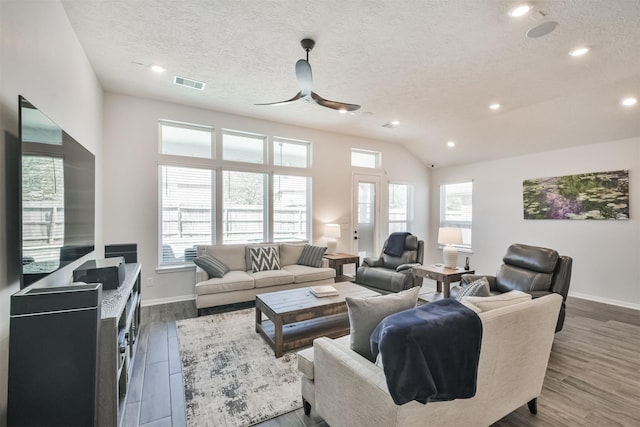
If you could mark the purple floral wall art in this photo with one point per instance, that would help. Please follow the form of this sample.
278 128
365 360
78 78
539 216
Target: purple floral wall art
597 195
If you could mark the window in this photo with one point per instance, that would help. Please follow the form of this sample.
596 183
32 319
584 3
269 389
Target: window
291 213
365 158
243 147
244 207
186 212
455 209
291 153
186 140
398 207
256 201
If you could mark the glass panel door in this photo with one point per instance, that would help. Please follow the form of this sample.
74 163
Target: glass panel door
366 209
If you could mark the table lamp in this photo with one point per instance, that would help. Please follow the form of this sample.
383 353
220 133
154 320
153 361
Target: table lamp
450 236
332 232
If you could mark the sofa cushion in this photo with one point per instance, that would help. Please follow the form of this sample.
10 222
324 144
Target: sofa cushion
290 253
212 265
312 256
234 280
366 313
497 301
303 273
231 255
271 278
478 288
264 258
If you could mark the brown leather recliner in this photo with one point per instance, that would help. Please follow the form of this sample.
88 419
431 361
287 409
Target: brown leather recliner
532 269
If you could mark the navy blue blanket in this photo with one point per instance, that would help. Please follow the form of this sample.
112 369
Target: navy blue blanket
430 353
395 243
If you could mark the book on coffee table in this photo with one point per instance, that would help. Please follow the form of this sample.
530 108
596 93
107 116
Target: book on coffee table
323 291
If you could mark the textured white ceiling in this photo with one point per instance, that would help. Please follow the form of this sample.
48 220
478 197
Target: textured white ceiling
435 65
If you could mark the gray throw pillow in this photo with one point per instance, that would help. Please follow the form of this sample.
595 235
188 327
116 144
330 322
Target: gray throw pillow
366 313
477 288
212 265
264 258
311 256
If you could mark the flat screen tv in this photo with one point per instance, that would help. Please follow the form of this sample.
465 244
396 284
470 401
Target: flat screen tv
57 196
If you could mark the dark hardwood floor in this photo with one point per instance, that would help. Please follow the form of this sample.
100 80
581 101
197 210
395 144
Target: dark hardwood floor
593 378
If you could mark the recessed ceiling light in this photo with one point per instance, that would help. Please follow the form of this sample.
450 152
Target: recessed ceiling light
395 122
392 124
579 51
494 106
628 102
520 10
158 69
451 144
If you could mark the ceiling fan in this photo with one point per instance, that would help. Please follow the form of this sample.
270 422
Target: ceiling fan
305 80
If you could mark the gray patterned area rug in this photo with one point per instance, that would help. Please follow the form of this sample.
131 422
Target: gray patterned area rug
231 376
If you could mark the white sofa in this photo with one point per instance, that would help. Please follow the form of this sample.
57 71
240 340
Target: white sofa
241 284
346 389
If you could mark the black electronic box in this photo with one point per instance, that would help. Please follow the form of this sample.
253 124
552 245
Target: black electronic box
110 272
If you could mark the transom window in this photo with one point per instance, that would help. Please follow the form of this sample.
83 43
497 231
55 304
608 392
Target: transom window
288 152
243 147
181 139
365 158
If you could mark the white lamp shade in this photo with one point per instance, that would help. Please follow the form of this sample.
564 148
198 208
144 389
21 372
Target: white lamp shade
332 230
450 236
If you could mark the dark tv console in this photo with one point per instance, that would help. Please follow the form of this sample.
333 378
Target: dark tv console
118 340
71 351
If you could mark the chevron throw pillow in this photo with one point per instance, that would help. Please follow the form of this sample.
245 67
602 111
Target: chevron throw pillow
264 258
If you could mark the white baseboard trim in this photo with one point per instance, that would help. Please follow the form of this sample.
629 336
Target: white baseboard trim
605 300
169 300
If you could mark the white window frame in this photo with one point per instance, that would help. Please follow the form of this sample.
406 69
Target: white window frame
265 146
191 126
161 262
377 155
307 145
217 165
409 218
465 225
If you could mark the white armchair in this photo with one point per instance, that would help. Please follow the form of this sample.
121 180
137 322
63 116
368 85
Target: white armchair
346 389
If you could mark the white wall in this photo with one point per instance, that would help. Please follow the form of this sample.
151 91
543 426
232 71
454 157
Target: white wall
131 186
605 253
41 59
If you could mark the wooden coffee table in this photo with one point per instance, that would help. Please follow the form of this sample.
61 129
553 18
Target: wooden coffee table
295 317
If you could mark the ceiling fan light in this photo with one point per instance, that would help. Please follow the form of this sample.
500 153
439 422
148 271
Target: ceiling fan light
520 10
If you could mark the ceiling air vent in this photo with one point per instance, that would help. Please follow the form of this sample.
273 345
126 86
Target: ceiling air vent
193 84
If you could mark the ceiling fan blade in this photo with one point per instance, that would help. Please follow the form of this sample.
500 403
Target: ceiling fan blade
295 98
340 106
305 79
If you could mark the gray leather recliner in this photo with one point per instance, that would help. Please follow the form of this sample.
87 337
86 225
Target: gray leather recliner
531 269
389 273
